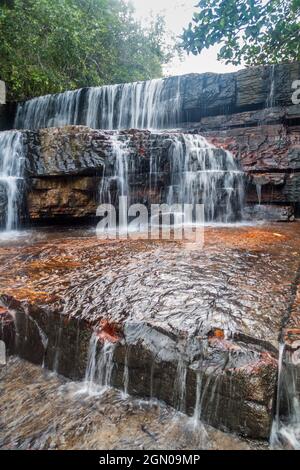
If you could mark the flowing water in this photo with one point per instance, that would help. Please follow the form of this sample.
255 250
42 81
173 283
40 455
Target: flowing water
40 410
140 105
162 292
271 97
199 173
286 426
11 171
99 366
49 111
117 181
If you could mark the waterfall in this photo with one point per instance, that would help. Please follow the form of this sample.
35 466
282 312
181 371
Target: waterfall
153 104
199 173
270 103
99 366
49 111
132 105
285 432
11 170
115 183
179 393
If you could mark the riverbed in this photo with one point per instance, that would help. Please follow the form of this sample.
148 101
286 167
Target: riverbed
204 322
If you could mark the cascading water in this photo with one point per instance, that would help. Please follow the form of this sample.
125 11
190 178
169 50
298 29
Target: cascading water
49 111
285 432
198 173
117 182
271 97
201 173
180 386
99 366
11 170
141 105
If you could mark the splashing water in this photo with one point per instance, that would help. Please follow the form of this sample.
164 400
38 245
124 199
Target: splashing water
11 171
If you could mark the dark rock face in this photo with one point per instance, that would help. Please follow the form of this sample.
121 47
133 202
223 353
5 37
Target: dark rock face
7 116
65 167
58 197
270 156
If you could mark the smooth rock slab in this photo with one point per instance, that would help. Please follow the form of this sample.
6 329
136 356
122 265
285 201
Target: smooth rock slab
210 318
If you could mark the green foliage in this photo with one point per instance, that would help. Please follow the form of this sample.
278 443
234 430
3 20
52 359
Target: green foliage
253 31
48 46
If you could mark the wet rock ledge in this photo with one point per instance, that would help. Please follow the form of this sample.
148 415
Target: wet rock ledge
198 329
65 167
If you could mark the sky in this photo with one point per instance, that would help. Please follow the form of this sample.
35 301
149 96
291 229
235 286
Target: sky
178 14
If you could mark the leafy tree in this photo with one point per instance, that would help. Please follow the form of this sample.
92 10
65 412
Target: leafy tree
48 46
253 31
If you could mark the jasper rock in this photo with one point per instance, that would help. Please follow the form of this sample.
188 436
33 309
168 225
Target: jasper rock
58 197
65 167
214 330
66 151
266 212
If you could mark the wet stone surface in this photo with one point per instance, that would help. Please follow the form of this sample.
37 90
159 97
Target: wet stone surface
40 410
209 318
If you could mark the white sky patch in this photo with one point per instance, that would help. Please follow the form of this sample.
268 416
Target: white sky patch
178 14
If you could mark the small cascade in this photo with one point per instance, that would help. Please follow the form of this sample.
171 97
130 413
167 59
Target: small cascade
285 432
201 173
141 105
179 397
271 97
11 171
197 409
126 375
132 105
49 111
115 185
258 192
99 366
